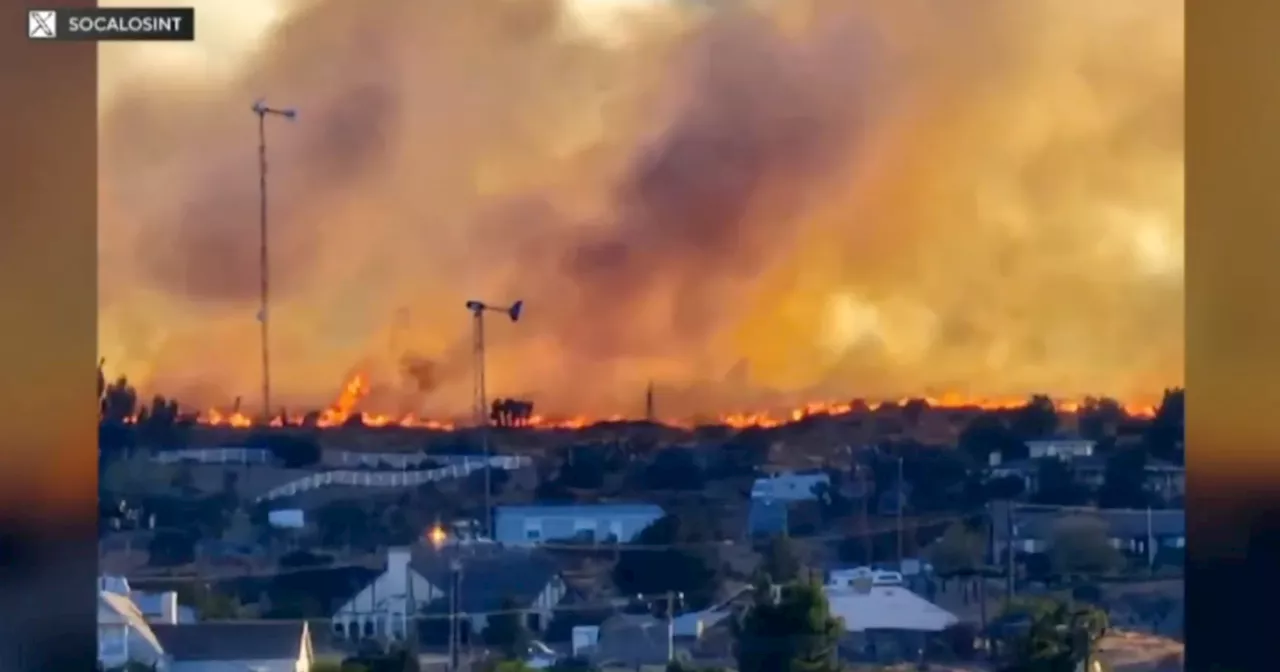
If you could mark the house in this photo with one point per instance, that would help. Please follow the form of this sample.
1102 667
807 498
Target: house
235 646
420 580
124 636
790 487
1064 447
772 498
156 608
590 523
884 621
1164 479
1138 533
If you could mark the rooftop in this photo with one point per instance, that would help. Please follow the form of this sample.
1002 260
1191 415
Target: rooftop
887 608
238 640
618 509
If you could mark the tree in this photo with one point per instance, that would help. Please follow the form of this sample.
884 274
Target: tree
1052 636
171 548
796 632
687 563
294 451
1037 420
959 551
986 434
1125 484
1079 545
781 561
675 469
1165 435
1098 418
744 452
507 633
584 468
1057 485
913 410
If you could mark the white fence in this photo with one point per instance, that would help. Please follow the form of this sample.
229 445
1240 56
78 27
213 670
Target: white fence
346 458
215 456
332 458
393 479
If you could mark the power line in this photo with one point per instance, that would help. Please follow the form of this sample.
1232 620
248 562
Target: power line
569 547
377 565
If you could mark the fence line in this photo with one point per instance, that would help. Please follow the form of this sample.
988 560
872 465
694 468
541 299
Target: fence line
234 455
343 458
394 479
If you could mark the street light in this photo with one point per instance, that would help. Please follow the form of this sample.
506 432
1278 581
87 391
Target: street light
261 109
480 402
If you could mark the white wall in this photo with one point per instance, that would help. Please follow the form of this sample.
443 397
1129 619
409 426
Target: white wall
385 604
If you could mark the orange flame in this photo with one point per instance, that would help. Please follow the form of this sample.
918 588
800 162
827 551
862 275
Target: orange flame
346 407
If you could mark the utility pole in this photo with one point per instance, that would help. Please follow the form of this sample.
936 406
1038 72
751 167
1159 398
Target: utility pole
648 403
262 110
410 617
901 505
671 626
1011 562
455 604
480 399
867 541
1151 543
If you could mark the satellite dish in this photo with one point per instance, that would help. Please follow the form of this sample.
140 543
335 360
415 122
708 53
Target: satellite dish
514 310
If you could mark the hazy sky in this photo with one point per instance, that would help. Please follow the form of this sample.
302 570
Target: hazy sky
812 198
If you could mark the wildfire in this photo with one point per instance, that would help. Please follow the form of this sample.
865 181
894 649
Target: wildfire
345 409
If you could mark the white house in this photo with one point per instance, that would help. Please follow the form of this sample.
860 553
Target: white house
156 608
538 523
124 635
421 579
867 607
237 646
789 487
1061 447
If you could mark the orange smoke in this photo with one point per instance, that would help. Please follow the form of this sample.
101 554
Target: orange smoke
748 205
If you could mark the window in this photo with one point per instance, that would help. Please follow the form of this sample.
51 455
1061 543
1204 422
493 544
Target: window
584 529
532 530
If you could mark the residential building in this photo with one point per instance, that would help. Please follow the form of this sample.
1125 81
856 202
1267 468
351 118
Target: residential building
421 579
1164 479
589 523
1064 447
156 608
790 487
773 496
124 636
261 646
1141 534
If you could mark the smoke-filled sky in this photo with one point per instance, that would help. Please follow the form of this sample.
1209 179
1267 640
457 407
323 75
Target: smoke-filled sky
779 201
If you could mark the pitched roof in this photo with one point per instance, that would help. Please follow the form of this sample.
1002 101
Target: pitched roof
582 510
237 640
489 575
887 608
123 609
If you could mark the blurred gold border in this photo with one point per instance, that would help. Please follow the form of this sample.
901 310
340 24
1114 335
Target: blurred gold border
1233 280
48 262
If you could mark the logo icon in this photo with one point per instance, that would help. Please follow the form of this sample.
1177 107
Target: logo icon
42 24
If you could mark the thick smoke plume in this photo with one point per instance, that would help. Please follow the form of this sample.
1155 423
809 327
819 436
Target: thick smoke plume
873 198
